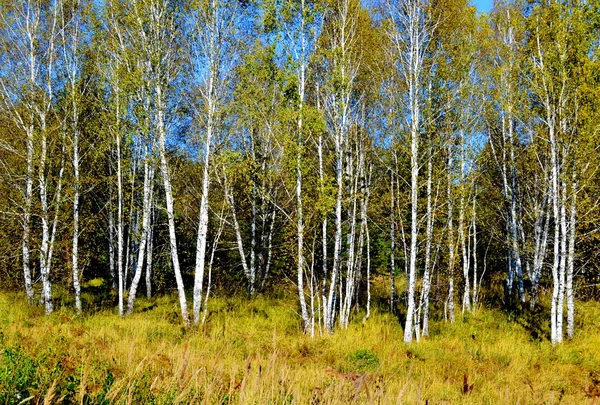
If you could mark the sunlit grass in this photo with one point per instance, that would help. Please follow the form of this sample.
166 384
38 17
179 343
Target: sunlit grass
253 352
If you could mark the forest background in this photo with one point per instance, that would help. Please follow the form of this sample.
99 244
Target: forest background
415 159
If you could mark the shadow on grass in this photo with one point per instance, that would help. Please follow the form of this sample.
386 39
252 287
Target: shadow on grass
533 320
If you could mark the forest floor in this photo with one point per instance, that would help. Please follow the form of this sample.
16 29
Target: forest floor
254 352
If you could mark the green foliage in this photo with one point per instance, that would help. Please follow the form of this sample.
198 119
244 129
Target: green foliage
363 360
17 375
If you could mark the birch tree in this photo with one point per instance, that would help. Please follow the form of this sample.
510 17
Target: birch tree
213 55
339 111
72 26
410 35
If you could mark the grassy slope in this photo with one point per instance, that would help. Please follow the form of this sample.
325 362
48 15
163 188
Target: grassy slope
252 352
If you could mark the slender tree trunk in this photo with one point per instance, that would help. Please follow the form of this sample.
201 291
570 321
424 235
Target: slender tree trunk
466 304
392 245
164 167
111 236
27 218
75 256
150 242
323 235
429 236
210 264
230 200
253 235
350 243
542 226
451 259
45 243
203 221
474 252
556 262
148 175
269 248
300 235
306 320
119 206
571 263
337 250
513 213
562 264
368 309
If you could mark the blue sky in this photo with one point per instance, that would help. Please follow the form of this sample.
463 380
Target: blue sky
483 5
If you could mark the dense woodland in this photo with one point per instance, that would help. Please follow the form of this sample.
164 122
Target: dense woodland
260 147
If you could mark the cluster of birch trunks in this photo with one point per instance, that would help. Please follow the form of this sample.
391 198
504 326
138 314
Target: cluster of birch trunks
330 142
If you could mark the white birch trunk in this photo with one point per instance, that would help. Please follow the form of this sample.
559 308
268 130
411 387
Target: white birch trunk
150 243
238 234
210 264
466 303
562 264
164 167
392 245
449 313
46 297
474 253
306 319
70 40
337 249
75 257
429 236
119 206
27 219
555 265
542 226
571 262
146 212
111 237
323 235
203 221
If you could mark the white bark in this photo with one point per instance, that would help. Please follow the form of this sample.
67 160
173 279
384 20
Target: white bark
238 234
119 203
111 236
562 270
26 92
28 197
203 221
338 109
70 33
306 319
555 265
410 37
571 262
323 235
164 167
213 53
392 244
474 253
542 226
146 212
350 279
210 264
150 243
449 306
429 236
466 303
47 242
75 257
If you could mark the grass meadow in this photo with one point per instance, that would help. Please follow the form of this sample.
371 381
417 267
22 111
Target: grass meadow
254 352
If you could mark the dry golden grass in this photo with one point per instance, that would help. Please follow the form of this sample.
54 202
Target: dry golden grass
253 352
